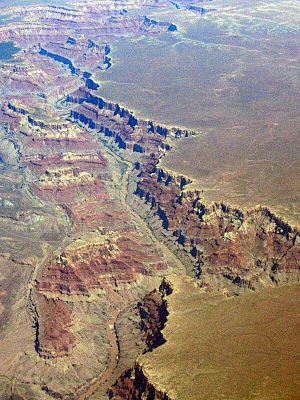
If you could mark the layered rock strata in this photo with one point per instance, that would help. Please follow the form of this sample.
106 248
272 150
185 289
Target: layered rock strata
243 249
76 174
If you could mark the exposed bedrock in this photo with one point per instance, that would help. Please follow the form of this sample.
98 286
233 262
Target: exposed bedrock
246 248
17 109
101 258
45 24
103 264
135 385
153 312
84 96
120 124
108 262
195 8
86 76
61 59
232 249
170 27
52 324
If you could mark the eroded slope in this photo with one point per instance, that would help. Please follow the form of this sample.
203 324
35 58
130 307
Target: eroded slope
216 347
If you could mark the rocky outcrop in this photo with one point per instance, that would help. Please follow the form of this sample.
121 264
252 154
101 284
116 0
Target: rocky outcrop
17 109
68 208
209 332
97 52
200 10
40 23
106 261
53 334
232 249
244 248
120 124
135 385
150 22
194 8
60 59
153 313
39 133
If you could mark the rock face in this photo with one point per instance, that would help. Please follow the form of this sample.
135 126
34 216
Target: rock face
101 264
53 324
106 260
244 248
201 338
121 125
133 384
77 174
153 313
232 249
87 256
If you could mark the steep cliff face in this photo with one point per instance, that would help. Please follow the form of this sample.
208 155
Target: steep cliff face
245 248
118 123
103 262
133 384
194 8
201 338
153 313
53 324
232 249
82 252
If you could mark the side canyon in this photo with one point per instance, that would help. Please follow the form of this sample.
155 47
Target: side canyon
116 275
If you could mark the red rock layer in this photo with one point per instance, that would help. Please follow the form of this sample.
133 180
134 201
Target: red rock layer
97 266
68 169
118 123
133 384
245 248
55 320
153 314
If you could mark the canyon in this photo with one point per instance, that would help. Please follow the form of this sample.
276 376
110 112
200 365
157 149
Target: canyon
113 267
241 346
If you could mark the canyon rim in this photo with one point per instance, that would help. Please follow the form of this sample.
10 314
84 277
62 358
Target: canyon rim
149 199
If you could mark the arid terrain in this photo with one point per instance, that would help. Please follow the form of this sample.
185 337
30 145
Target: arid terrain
233 75
119 270
232 348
